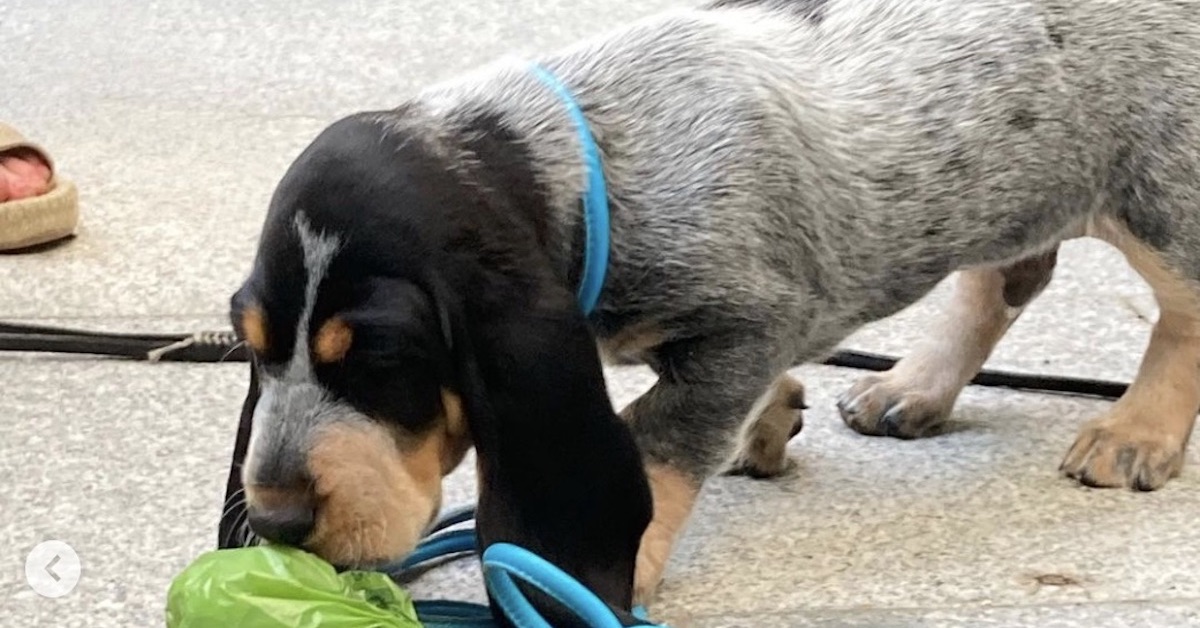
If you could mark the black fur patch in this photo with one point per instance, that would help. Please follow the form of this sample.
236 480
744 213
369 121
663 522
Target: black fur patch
1056 36
936 227
1023 120
506 167
1026 278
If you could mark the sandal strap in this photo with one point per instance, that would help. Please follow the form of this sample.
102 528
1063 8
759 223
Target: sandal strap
11 139
39 219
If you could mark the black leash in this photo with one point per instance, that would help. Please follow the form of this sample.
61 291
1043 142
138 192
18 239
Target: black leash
205 346
998 379
223 346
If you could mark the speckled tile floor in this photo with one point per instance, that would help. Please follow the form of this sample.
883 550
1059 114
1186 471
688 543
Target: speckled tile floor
177 118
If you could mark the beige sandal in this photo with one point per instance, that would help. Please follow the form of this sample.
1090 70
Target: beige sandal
40 219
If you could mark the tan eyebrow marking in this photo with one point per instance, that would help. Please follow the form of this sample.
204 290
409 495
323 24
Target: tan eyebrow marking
254 328
332 341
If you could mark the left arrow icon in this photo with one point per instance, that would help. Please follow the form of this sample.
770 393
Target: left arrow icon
52 569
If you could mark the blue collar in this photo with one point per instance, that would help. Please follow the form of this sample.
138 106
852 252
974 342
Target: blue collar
595 199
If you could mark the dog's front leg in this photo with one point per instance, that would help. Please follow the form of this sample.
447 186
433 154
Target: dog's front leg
687 427
913 398
1141 441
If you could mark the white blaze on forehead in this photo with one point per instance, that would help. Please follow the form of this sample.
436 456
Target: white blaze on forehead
266 401
319 250
290 407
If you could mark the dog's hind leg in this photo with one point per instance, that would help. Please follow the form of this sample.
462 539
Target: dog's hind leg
1140 442
687 426
915 397
776 418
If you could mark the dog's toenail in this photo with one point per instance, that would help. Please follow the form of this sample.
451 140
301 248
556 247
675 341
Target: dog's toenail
891 422
796 402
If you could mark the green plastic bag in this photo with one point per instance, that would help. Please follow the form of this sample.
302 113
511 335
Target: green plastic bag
282 587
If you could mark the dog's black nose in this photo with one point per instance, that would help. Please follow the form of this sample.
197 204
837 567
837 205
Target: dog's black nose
287 521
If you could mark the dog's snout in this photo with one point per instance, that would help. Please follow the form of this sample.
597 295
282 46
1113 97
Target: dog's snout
286 517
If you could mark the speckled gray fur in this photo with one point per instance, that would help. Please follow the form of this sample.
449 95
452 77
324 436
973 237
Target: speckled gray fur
783 172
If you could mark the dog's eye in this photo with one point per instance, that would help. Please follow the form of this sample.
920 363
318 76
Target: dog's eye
388 372
403 393
388 348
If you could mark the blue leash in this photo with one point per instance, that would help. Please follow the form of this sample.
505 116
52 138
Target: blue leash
504 563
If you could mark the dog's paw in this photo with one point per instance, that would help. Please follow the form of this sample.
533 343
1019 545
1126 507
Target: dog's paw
761 458
762 452
877 405
1115 452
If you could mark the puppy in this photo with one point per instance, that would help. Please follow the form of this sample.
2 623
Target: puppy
779 173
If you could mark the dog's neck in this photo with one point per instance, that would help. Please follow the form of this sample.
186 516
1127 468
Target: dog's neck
688 148
512 134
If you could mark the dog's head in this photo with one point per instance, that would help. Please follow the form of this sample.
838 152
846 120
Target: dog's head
399 313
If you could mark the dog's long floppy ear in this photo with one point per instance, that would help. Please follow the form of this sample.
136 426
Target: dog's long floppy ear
559 473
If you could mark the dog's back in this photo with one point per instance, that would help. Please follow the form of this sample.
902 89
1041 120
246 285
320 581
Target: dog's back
853 153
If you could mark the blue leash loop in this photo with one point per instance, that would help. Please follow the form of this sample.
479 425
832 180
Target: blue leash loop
503 565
